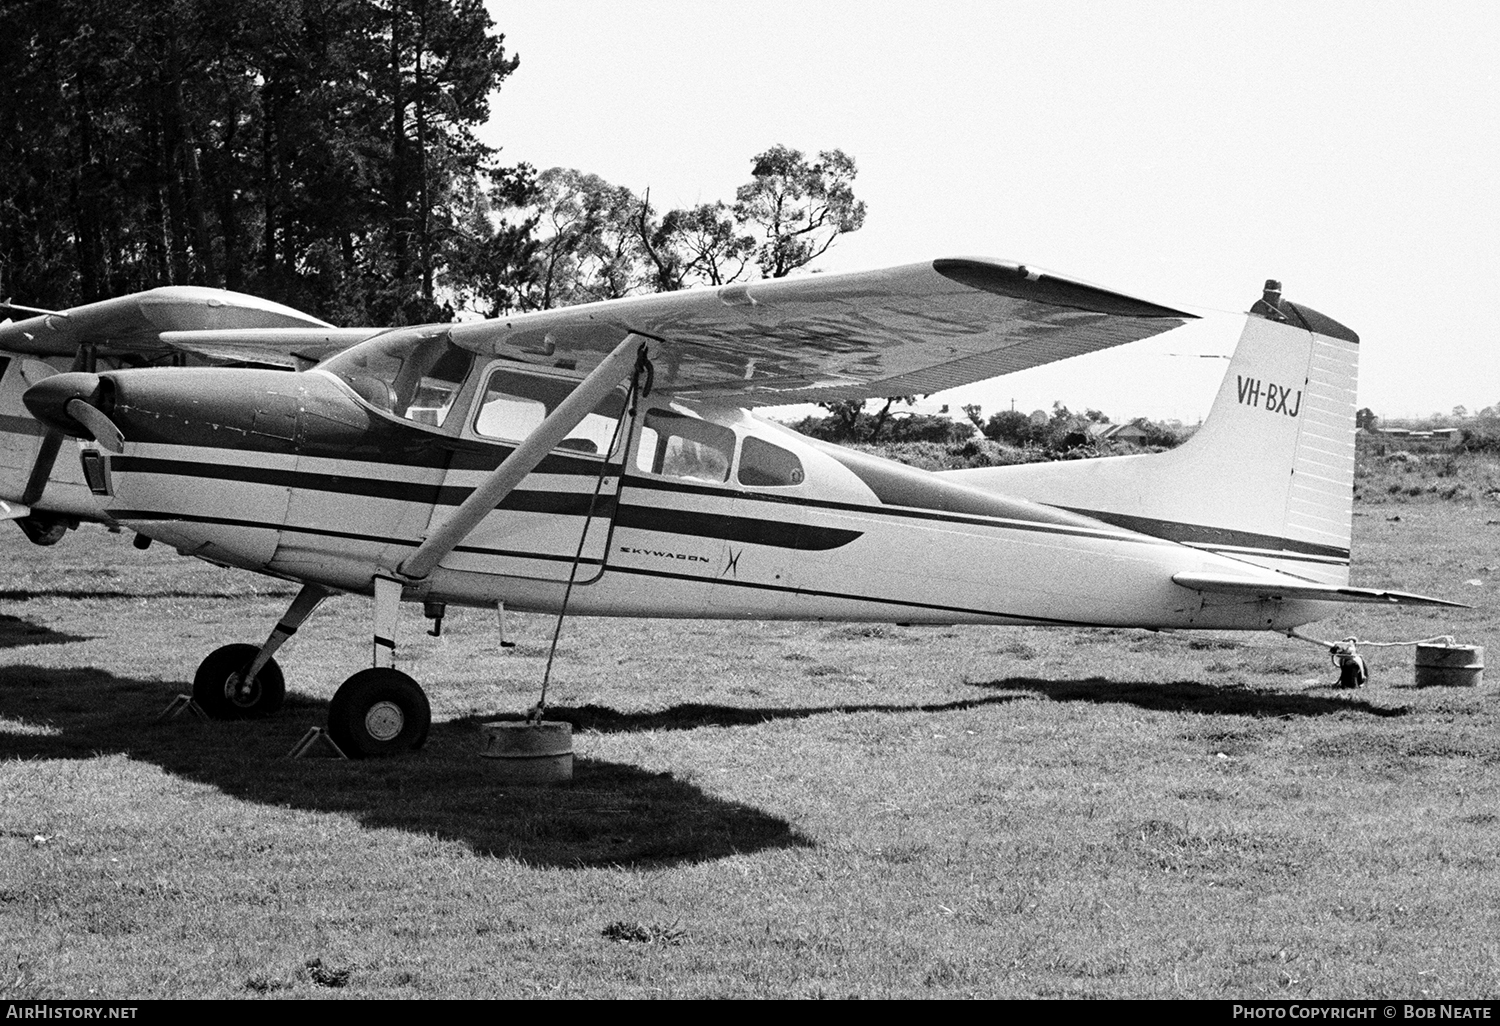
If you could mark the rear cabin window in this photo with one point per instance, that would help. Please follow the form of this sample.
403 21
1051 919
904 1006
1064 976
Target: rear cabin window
514 404
676 445
764 465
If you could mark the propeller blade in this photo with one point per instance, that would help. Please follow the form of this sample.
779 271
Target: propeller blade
100 426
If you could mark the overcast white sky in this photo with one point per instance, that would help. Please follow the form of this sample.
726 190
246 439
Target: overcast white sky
1181 152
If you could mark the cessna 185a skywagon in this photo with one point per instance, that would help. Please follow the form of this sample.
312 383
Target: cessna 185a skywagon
602 457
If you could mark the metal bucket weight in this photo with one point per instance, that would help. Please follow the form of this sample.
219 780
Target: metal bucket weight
529 753
1454 665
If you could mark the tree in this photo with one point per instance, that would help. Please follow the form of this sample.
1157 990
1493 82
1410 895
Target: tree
797 210
593 240
317 152
845 414
704 245
878 421
1011 427
495 258
586 241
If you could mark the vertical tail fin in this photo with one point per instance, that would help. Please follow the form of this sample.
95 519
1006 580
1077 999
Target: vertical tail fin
1268 478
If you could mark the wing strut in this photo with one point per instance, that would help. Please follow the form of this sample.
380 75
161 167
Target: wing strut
442 539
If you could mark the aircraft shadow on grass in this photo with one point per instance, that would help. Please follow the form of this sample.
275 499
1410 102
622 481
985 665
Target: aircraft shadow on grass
86 594
14 632
690 716
610 814
1191 696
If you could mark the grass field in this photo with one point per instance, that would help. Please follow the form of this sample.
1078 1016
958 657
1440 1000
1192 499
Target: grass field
758 809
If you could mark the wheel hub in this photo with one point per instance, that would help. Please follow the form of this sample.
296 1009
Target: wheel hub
240 690
384 720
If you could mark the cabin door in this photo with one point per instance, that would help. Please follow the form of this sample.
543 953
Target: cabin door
563 510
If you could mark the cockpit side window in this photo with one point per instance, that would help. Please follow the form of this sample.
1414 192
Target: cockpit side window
414 377
514 404
676 445
765 465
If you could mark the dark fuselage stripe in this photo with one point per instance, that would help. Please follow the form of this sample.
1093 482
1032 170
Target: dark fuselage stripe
1210 537
692 524
146 515
898 512
520 500
1233 552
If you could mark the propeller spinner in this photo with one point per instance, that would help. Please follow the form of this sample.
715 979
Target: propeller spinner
77 404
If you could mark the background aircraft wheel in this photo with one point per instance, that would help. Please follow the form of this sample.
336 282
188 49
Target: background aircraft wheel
379 712
221 691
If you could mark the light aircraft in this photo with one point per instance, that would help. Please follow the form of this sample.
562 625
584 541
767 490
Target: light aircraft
603 458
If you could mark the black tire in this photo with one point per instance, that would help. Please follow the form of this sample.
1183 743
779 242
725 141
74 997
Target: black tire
220 691
379 712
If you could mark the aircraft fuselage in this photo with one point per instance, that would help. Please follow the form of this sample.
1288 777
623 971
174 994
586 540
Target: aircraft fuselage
707 513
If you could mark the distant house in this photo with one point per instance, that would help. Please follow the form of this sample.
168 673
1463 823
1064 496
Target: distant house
1132 433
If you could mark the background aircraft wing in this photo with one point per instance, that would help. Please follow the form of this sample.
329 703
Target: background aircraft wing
219 325
909 330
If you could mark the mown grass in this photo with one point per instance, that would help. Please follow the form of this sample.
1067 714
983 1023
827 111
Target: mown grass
759 809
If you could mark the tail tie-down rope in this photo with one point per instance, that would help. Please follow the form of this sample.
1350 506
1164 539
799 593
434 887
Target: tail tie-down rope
1345 653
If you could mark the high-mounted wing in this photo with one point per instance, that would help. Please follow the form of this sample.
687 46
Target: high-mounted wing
909 330
213 323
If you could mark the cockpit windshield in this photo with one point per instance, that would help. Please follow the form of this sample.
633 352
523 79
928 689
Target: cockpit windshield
414 375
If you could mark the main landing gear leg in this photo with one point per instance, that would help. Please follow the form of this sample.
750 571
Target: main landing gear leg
380 711
240 682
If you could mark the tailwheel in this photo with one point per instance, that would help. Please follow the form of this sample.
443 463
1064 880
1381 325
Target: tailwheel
222 691
379 712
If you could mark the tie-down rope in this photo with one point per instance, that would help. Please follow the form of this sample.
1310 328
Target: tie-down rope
1346 657
636 392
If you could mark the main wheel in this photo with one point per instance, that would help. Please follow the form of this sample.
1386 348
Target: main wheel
221 690
379 712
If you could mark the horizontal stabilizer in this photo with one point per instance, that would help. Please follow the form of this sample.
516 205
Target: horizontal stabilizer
1259 588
